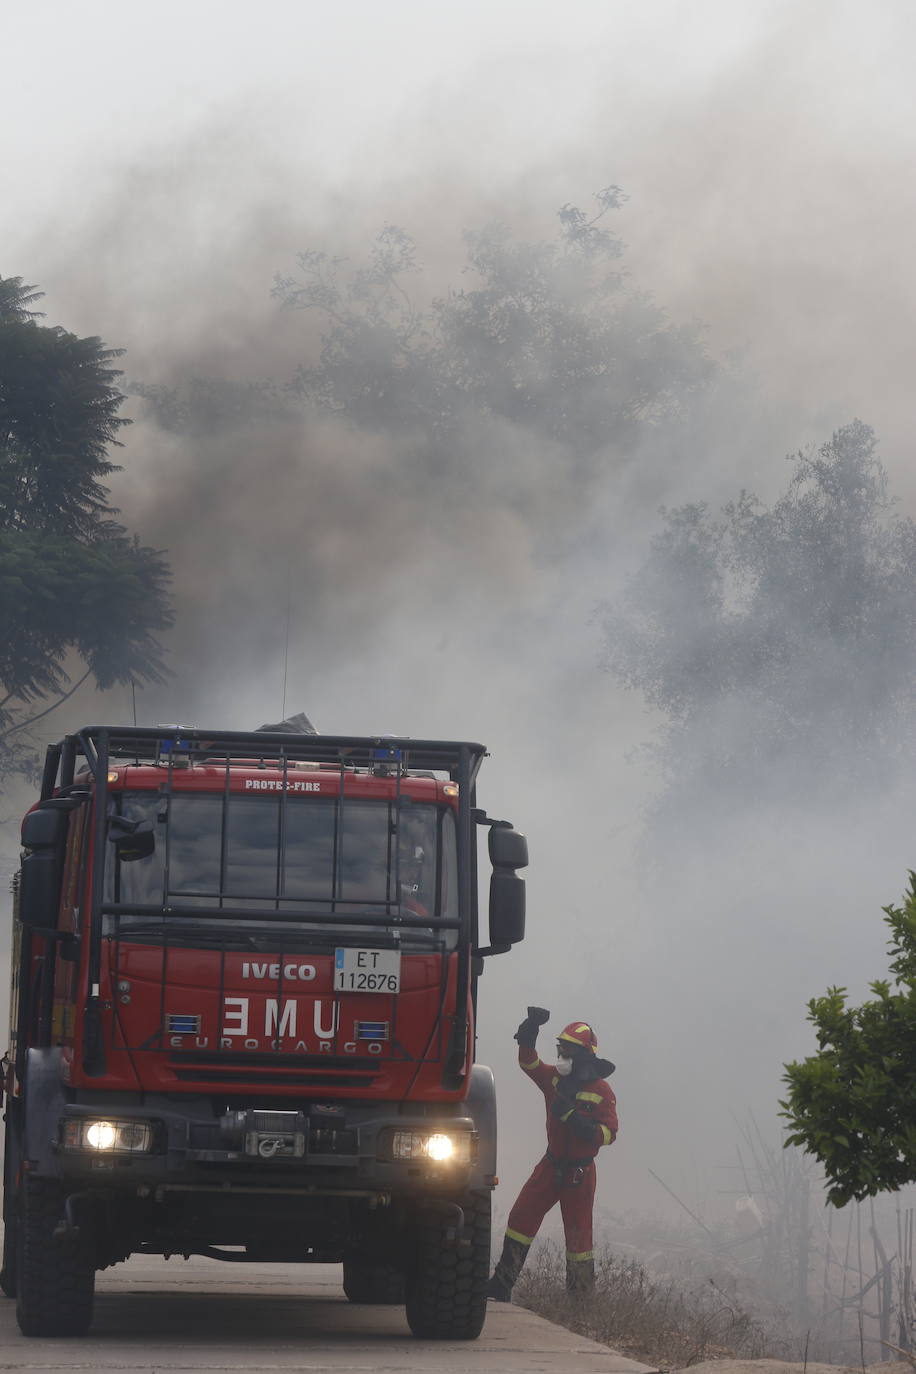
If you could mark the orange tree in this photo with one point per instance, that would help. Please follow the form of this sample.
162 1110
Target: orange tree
853 1104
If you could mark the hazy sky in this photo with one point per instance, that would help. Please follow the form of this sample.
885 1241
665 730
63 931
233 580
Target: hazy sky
159 164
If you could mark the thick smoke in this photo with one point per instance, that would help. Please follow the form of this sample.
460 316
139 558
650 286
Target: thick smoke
459 600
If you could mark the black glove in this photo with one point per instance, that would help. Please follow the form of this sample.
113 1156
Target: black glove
527 1033
580 1123
583 1126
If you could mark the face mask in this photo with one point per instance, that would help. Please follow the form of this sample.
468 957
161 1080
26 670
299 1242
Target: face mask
564 1067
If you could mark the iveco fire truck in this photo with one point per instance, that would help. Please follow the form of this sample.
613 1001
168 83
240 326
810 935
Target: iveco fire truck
244 983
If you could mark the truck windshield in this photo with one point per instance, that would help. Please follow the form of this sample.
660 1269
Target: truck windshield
301 854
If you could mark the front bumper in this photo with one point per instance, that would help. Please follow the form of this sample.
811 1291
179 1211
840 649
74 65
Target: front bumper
333 1150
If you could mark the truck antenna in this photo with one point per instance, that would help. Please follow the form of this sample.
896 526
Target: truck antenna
289 602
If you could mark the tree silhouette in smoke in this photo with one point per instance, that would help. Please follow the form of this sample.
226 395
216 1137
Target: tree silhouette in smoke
550 336
481 410
74 584
778 643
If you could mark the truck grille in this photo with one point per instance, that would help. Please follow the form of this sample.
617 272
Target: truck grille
217 1058
299 1070
208 1073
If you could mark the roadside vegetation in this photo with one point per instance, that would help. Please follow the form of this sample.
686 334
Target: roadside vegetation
659 1321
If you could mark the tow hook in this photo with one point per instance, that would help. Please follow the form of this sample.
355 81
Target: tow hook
68 1226
455 1232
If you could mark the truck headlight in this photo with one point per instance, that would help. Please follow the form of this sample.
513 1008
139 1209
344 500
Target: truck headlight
440 1147
101 1135
107 1136
437 1147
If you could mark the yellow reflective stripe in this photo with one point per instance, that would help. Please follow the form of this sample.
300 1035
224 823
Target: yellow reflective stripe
517 1235
589 1097
608 1134
533 1065
567 1115
554 1081
582 1255
580 1030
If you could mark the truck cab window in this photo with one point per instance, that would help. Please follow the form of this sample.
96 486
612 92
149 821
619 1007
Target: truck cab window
308 854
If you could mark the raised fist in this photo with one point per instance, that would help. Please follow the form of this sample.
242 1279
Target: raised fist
527 1033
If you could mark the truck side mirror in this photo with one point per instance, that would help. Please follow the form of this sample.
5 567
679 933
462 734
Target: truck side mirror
507 908
44 835
45 828
508 851
508 848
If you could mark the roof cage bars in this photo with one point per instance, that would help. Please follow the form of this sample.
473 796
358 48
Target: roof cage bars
99 744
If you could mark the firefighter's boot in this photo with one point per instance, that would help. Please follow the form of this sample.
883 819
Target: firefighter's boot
508 1267
580 1277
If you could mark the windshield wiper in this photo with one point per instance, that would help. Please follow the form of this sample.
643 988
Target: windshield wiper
189 934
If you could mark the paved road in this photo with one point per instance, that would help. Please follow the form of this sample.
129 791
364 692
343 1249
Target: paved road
205 1315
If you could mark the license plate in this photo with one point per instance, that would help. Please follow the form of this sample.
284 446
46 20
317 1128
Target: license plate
367 970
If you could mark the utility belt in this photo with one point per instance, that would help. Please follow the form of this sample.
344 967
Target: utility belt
569 1172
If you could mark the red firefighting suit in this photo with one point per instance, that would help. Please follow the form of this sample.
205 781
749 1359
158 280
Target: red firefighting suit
566 1174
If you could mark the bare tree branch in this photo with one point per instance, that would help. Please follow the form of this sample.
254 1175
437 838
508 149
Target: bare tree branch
21 725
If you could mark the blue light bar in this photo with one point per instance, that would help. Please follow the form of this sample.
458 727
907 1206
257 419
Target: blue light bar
371 1030
182 1025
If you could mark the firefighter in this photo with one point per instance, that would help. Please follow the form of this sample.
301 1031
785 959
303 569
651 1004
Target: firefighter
581 1117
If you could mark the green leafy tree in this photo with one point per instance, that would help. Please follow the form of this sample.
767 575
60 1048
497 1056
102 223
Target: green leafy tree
778 644
853 1104
75 586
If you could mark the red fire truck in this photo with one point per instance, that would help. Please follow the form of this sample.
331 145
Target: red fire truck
244 983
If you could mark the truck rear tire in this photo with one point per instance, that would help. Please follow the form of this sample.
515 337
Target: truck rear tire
372 1283
8 1270
55 1278
10 1170
447 1285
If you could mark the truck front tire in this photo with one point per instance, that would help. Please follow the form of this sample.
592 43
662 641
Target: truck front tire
55 1281
447 1283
